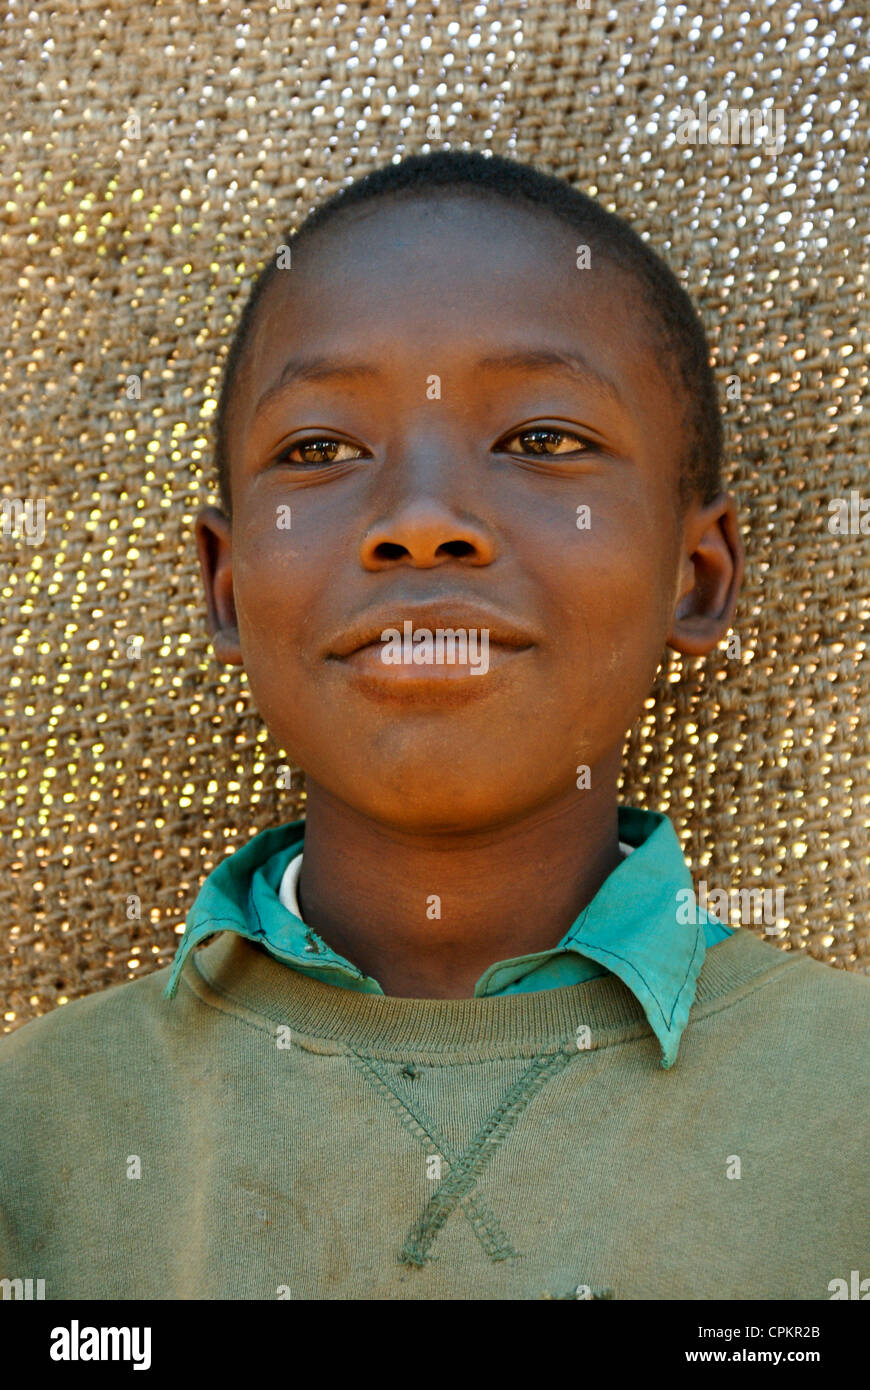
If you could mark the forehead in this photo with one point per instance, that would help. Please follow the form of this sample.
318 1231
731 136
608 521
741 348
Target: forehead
416 284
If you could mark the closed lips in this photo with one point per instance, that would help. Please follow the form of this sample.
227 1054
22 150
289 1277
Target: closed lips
369 628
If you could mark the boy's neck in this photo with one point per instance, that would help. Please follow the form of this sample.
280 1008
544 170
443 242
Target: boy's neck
373 893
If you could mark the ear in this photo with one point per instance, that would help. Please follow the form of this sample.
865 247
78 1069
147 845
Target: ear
711 572
214 546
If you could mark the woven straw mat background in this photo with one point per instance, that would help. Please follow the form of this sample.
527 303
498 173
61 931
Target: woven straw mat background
153 158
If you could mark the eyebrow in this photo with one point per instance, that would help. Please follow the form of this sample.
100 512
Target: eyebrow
298 371
304 369
550 359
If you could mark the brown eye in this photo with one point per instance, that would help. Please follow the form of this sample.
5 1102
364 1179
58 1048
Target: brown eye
317 450
545 441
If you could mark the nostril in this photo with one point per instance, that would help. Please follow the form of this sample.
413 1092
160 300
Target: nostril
455 548
388 550
424 549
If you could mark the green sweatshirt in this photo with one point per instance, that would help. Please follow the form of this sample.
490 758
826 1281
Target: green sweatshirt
267 1134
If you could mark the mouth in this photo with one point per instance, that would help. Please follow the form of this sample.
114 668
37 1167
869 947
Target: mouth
371 631
446 651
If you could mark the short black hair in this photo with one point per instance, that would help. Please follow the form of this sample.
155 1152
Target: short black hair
669 308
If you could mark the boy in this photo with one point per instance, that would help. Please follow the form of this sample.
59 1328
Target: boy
469 1044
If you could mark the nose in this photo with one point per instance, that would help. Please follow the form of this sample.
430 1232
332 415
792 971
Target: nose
424 533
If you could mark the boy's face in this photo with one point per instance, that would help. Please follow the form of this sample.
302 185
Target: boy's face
428 507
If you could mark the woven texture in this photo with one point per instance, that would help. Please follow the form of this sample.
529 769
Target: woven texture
153 157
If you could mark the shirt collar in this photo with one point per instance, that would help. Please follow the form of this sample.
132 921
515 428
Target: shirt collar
636 926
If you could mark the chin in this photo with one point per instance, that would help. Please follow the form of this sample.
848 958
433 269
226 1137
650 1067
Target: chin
440 802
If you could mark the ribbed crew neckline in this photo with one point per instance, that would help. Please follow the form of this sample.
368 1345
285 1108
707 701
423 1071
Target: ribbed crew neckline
231 974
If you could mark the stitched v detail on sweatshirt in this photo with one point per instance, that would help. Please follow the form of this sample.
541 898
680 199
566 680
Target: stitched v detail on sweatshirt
465 1168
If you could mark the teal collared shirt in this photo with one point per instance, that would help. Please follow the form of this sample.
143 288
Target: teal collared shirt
643 925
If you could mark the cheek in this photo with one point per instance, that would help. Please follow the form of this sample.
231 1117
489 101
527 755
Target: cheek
274 590
613 578
273 582
607 603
